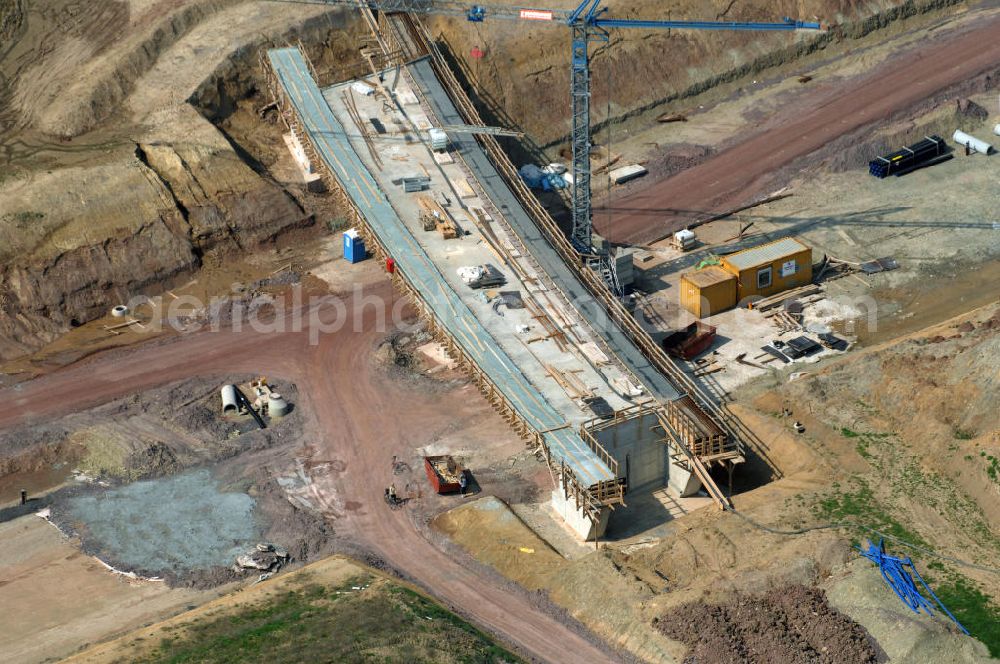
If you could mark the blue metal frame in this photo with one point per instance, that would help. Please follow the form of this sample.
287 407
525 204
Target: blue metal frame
581 22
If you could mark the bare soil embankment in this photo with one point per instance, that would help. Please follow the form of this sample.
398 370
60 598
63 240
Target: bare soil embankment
174 442
113 184
523 79
900 437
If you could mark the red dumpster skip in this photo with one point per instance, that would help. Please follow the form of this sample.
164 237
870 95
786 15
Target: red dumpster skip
444 473
689 342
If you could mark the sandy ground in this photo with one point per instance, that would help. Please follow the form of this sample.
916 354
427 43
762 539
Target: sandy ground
338 389
936 486
59 599
739 174
330 571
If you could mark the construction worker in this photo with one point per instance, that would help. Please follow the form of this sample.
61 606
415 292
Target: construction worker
463 482
390 494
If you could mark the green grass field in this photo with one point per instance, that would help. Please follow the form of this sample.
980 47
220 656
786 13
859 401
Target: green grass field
364 620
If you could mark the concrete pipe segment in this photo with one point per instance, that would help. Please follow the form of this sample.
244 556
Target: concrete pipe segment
276 405
973 143
229 405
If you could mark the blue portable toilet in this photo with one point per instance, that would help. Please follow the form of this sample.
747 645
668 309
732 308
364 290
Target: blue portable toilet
354 246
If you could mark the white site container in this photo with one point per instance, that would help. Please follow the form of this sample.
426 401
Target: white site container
684 238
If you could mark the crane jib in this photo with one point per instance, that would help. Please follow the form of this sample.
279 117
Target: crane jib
589 24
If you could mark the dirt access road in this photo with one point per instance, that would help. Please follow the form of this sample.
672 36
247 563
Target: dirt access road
358 416
740 174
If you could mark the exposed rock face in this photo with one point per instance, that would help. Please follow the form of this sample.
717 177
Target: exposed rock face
154 188
217 210
122 229
41 299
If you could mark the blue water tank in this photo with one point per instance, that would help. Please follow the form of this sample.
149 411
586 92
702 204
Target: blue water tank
354 247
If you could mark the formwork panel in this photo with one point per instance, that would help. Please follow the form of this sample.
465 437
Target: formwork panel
637 444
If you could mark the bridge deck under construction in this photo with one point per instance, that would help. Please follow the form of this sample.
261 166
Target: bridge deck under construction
331 141
699 433
486 173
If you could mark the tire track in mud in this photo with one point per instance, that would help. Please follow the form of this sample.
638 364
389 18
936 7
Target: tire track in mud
354 415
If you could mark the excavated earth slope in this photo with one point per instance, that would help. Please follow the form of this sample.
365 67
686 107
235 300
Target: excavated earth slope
111 184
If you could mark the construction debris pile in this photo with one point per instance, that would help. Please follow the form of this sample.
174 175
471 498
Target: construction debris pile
264 557
481 276
268 402
794 624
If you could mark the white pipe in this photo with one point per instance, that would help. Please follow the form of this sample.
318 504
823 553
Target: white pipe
228 393
996 130
974 144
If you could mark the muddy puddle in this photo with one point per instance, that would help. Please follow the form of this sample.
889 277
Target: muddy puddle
180 523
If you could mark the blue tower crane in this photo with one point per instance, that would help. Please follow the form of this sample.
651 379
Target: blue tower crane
588 25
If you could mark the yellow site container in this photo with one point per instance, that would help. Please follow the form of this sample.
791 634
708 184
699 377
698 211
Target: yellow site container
708 291
770 268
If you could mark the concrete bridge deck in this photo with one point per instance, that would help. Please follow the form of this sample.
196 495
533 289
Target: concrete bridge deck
331 141
543 252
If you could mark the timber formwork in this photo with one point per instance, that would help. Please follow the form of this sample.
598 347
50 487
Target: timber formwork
702 432
591 499
691 459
